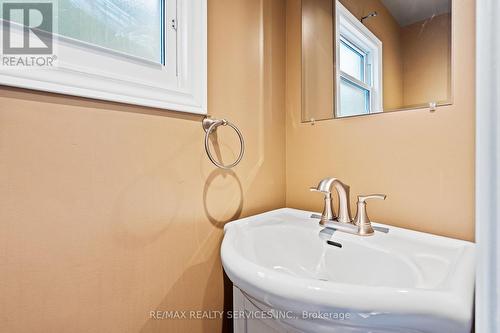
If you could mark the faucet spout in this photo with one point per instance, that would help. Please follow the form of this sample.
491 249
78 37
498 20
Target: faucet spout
344 202
325 187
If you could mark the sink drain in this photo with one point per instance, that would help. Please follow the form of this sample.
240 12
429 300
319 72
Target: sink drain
334 243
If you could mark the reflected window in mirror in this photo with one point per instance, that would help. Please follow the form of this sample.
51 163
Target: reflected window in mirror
359 63
362 57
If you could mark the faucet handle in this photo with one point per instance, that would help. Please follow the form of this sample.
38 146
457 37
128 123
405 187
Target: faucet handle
324 186
362 220
328 213
363 198
314 189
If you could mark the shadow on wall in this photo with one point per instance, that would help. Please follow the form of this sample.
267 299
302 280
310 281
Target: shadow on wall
230 176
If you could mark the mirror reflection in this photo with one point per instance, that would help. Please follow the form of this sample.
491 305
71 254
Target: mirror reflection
362 57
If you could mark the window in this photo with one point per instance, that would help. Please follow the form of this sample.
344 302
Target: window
126 26
144 52
359 67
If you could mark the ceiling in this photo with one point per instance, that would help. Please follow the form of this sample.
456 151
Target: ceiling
410 11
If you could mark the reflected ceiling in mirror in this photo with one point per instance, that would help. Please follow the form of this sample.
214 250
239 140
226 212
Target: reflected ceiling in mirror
362 57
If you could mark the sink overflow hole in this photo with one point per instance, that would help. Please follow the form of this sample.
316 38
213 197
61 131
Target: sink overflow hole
334 243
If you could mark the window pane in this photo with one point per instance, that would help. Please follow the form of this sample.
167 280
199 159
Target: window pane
354 100
133 27
351 61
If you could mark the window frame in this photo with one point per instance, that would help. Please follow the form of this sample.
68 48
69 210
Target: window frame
360 52
353 33
91 71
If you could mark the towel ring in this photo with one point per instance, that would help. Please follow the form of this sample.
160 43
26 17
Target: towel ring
210 125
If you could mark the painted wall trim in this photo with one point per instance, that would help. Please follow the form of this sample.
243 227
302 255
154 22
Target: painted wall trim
487 166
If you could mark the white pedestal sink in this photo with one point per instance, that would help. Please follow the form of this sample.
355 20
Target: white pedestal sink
288 278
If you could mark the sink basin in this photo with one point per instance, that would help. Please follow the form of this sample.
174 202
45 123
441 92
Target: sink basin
400 281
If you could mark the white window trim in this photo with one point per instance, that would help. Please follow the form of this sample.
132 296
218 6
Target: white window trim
93 72
347 22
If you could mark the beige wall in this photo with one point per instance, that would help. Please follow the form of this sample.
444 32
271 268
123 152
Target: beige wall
423 161
110 211
385 27
317 59
426 49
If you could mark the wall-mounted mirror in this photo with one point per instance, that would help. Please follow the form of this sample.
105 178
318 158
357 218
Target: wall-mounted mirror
361 57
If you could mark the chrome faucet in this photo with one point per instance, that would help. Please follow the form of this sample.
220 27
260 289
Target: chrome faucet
343 222
325 187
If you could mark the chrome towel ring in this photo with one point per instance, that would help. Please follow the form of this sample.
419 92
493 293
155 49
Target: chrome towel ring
210 125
